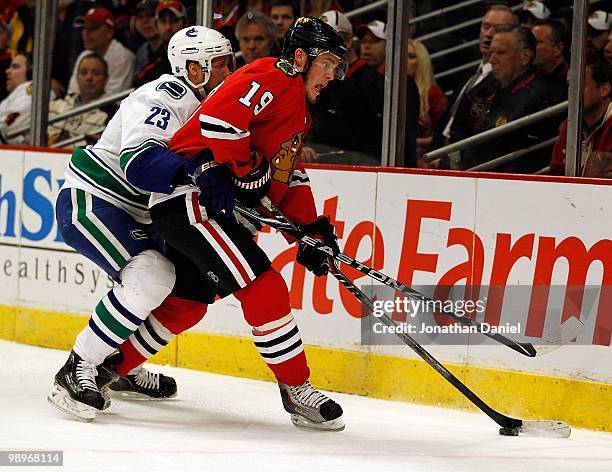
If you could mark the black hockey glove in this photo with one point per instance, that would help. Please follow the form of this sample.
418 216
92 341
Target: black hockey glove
251 188
313 259
214 181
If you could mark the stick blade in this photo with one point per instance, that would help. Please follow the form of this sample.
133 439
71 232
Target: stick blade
546 428
567 331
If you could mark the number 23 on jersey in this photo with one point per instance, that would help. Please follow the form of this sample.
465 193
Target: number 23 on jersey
159 117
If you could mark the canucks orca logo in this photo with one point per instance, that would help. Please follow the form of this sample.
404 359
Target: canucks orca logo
191 33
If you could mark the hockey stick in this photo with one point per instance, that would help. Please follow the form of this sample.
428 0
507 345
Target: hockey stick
567 331
509 426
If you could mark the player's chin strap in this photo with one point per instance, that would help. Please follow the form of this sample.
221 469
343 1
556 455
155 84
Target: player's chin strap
509 425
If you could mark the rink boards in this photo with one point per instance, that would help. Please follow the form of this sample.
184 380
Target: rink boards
424 228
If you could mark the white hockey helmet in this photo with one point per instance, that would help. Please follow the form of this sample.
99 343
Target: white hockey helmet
199 44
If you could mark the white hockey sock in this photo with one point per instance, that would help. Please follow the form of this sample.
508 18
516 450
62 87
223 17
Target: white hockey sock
111 323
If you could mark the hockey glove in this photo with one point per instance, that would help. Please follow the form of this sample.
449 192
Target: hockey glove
251 188
214 181
313 259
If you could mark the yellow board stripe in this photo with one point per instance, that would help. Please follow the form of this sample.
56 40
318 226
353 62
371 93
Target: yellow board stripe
530 396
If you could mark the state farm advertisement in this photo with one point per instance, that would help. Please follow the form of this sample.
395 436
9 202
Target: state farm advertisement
531 253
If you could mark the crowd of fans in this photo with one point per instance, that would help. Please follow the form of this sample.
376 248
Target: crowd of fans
104 47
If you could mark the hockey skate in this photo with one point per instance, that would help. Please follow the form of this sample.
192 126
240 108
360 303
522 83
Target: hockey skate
143 385
309 408
75 390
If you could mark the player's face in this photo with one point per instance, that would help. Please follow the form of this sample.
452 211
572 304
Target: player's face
16 72
91 79
373 49
282 16
320 73
254 42
221 67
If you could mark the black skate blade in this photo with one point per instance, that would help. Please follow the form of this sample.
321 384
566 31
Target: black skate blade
332 425
60 399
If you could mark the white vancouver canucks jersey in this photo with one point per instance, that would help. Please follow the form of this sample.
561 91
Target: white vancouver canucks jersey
150 115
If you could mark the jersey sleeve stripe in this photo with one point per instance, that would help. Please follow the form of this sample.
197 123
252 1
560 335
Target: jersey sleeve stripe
218 129
127 156
299 178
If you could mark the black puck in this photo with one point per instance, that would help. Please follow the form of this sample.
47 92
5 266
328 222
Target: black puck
509 431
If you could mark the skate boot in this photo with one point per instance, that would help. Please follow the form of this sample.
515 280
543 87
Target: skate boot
75 390
145 385
309 408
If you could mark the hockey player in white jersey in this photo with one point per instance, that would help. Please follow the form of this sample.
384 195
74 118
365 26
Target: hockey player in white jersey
103 214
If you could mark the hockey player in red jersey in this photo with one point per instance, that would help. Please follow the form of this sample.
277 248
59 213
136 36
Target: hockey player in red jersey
244 143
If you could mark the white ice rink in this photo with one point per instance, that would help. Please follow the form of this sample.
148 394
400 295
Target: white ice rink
220 423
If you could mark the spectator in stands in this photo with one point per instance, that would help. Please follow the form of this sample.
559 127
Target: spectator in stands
317 7
262 6
68 41
15 109
549 63
151 57
256 34
608 48
340 22
330 124
171 18
518 94
98 26
597 125
22 26
600 24
227 14
143 25
433 102
283 15
368 83
92 76
5 55
533 12
469 97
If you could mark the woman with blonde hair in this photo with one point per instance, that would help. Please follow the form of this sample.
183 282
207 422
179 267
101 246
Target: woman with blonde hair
432 98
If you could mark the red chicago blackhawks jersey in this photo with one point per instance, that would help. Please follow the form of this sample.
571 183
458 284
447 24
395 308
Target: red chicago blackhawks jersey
261 107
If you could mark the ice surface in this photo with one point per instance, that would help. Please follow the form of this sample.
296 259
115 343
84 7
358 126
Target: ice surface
220 423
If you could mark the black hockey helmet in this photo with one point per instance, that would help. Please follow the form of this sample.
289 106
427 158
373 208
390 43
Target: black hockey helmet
315 37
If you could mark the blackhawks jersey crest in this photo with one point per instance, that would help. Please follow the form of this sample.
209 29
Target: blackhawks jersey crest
285 159
288 68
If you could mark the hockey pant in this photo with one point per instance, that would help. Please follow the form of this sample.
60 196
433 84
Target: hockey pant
230 262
